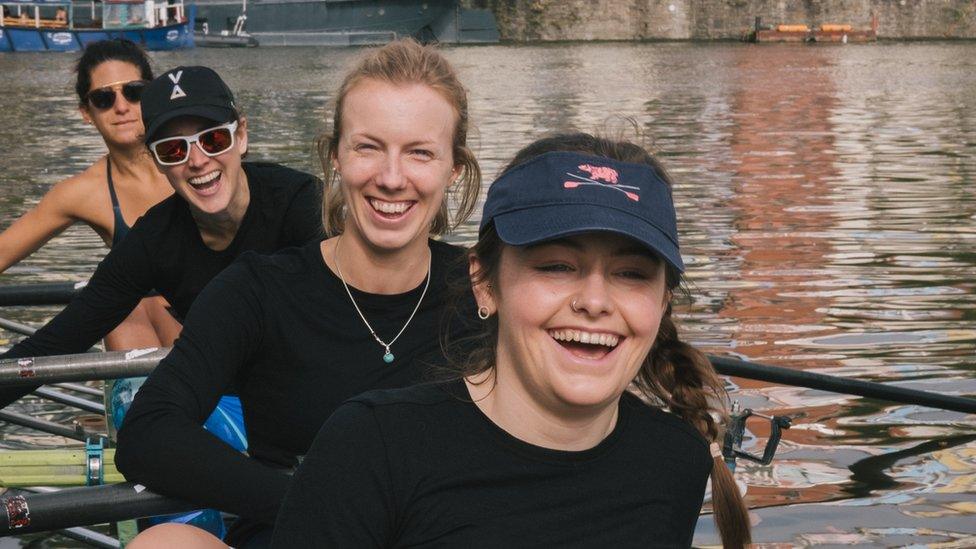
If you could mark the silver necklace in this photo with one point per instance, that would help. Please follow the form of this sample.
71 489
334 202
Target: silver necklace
388 356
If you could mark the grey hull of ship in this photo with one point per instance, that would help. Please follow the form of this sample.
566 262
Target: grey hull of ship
350 22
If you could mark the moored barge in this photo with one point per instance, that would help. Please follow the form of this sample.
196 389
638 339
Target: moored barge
828 32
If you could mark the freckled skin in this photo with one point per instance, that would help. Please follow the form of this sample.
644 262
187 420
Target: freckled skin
395 148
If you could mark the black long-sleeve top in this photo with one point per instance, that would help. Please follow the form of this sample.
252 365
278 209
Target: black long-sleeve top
281 331
164 251
424 467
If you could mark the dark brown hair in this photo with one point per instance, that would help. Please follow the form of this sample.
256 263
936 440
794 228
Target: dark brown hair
116 49
674 374
405 62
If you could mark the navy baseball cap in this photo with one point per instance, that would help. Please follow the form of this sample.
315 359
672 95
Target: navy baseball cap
560 194
186 91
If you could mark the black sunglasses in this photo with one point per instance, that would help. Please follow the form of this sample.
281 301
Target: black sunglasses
104 98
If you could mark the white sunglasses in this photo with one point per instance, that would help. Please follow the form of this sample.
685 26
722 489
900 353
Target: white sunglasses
171 151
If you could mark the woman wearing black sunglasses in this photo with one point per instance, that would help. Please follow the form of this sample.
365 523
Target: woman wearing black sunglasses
114 191
221 209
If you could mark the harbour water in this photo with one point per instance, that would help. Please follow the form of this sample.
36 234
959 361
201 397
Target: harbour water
827 207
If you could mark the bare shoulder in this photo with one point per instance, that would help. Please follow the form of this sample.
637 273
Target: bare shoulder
84 195
93 176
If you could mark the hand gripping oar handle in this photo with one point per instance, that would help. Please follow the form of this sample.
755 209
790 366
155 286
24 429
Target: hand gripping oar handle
27 513
59 293
847 386
15 372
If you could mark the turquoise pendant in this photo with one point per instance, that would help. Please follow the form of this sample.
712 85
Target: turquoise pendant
388 357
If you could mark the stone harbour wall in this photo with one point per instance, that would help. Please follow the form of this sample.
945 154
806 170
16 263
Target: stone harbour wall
555 20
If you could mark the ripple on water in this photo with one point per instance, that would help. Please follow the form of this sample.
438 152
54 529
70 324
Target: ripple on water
826 207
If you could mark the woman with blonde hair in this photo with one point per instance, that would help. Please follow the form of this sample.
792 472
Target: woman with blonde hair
297 333
582 420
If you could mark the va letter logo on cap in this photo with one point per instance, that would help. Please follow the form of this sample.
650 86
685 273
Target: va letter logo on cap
177 90
601 176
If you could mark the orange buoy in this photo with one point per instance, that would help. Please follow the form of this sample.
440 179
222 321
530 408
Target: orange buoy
792 28
836 28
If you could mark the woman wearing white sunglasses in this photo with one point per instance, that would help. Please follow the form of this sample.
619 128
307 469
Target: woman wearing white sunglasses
111 193
221 209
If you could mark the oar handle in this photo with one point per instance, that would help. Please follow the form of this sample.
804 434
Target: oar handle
20 372
60 293
27 513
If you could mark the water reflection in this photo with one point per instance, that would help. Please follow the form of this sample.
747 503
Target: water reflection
828 216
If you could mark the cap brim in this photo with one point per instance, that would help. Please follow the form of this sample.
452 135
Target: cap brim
542 223
210 112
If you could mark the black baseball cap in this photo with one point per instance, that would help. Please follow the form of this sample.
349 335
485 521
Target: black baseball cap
560 194
186 91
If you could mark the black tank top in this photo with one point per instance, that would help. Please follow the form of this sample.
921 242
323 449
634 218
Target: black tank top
121 228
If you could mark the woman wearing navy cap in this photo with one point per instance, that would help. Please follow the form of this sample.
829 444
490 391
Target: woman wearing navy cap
538 442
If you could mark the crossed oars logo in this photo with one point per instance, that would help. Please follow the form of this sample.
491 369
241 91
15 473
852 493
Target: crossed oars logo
601 176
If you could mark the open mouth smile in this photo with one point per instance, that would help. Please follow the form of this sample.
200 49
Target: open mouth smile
586 344
390 210
206 182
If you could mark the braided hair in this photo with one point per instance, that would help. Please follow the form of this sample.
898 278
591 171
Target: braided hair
674 375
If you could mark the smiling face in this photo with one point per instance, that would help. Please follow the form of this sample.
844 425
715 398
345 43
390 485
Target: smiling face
395 161
212 185
576 318
120 124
